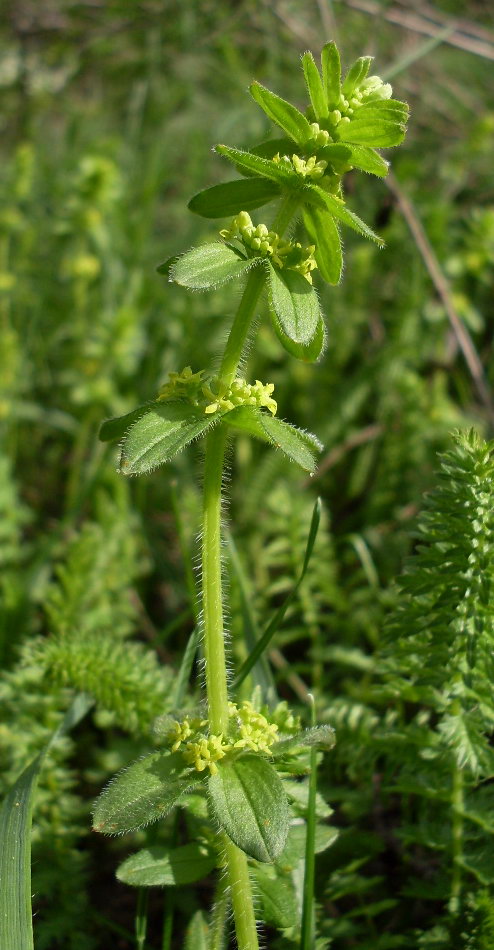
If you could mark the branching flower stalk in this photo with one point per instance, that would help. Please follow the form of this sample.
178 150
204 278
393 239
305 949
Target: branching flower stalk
232 754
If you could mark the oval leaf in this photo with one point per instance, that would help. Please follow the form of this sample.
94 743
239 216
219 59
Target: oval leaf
300 447
283 113
208 266
379 134
160 866
249 802
142 793
295 304
234 196
159 434
306 352
323 232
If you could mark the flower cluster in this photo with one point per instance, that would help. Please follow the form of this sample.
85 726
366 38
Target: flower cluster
183 385
216 396
239 393
249 729
258 241
306 168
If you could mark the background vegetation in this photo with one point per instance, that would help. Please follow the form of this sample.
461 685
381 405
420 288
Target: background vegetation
109 114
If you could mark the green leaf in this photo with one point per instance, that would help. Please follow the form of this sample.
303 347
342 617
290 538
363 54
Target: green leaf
368 131
209 266
249 802
319 737
323 232
295 304
197 934
159 434
142 793
338 155
299 446
307 352
160 866
315 87
356 74
113 429
231 197
16 929
368 160
321 199
278 897
331 73
283 113
252 164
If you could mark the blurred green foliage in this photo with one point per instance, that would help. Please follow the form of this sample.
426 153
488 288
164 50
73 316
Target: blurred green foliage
109 114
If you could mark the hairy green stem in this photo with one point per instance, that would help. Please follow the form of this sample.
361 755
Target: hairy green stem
241 893
214 640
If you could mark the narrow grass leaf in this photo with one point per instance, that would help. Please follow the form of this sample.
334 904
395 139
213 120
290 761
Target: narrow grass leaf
209 266
283 113
159 434
277 620
261 673
323 232
142 793
295 304
308 917
229 198
160 866
249 802
315 87
16 929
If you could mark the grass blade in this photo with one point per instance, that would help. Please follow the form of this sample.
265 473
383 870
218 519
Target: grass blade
276 621
185 669
16 928
308 925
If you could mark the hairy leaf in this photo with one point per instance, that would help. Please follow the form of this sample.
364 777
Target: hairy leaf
295 304
209 266
253 164
249 802
307 352
161 866
231 197
300 447
114 429
159 434
315 87
321 199
331 73
323 232
142 793
283 113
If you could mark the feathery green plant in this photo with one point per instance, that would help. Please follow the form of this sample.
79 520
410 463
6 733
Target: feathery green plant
235 754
